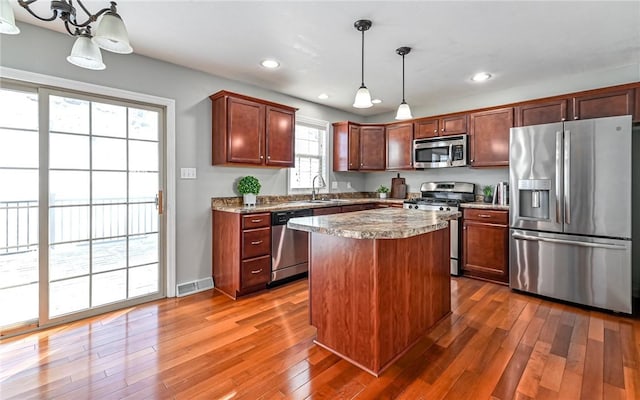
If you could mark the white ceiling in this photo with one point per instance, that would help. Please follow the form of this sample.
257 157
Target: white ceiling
520 43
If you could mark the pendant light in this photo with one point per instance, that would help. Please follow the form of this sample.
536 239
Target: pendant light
404 112
363 97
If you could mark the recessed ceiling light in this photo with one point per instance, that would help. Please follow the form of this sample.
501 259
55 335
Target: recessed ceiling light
323 96
481 77
270 63
376 101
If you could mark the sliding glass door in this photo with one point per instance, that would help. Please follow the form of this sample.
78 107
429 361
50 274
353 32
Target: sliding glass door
98 212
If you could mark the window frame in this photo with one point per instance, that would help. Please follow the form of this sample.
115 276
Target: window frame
321 125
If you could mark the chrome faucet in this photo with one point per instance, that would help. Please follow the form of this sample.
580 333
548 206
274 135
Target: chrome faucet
321 183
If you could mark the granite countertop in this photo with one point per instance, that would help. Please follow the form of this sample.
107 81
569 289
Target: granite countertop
384 223
486 206
285 204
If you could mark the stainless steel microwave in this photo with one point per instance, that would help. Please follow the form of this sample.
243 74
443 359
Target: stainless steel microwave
440 152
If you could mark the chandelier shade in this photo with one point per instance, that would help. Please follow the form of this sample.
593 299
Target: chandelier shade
404 111
112 35
86 54
7 19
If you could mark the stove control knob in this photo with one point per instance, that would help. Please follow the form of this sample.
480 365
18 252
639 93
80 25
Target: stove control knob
416 206
441 208
448 208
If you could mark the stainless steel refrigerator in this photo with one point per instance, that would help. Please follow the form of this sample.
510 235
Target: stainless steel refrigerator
570 213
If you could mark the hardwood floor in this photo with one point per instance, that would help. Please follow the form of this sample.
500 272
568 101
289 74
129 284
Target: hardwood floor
495 344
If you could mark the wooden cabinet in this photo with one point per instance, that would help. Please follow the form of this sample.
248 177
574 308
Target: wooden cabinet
452 124
636 114
489 137
250 131
358 147
358 207
399 146
327 210
603 103
486 244
241 246
544 112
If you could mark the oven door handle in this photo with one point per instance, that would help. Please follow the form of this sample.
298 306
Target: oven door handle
450 162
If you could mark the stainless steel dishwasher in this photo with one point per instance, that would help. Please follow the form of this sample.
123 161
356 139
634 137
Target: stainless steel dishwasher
289 247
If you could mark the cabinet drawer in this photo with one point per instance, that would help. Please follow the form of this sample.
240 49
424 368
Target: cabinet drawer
488 216
358 207
255 272
327 210
256 243
252 221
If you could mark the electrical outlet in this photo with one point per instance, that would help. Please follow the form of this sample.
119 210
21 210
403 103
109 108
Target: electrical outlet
334 185
348 185
187 173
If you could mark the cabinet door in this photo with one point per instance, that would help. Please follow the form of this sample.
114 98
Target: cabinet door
636 114
605 104
489 139
256 242
400 146
255 272
354 147
372 148
280 137
327 210
340 146
358 207
541 113
453 125
486 250
245 124
425 128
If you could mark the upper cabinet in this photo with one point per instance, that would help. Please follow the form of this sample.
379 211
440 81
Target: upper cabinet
489 137
250 131
603 103
543 112
399 146
358 147
453 124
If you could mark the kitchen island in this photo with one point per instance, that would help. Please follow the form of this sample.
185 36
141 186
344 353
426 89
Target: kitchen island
378 280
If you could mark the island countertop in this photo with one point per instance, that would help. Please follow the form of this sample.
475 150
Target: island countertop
387 223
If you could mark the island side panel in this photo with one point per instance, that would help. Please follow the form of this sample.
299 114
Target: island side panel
342 296
413 285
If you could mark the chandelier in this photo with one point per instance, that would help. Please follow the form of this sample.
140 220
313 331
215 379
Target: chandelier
110 34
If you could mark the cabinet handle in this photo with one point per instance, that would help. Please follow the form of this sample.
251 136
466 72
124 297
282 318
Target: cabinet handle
255 221
562 119
442 129
576 117
435 131
268 157
256 242
484 215
261 157
256 271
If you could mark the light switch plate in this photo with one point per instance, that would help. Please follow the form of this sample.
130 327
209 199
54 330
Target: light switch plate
348 185
334 185
187 173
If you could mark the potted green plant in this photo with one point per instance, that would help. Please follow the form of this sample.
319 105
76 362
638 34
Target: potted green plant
249 187
488 193
382 191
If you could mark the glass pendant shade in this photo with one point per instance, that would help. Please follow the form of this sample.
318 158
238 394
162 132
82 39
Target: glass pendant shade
363 98
111 34
86 54
404 112
7 19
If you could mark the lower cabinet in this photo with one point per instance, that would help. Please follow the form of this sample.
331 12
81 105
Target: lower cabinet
327 210
241 245
344 209
486 244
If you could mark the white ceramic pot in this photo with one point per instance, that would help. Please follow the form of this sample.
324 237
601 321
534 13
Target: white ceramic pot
382 195
249 199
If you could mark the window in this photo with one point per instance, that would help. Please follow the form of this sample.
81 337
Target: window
310 154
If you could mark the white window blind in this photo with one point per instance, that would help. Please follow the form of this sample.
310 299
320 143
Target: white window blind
310 154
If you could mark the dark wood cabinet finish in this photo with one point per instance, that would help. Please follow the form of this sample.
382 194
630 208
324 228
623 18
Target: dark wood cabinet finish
372 148
486 244
327 210
280 137
358 147
489 137
357 207
250 131
603 104
399 146
455 124
636 114
241 247
425 128
354 147
536 113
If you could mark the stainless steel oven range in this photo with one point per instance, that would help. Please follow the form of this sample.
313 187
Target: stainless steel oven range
445 196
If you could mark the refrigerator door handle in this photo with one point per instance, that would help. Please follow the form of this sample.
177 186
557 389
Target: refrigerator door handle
567 177
558 174
569 242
